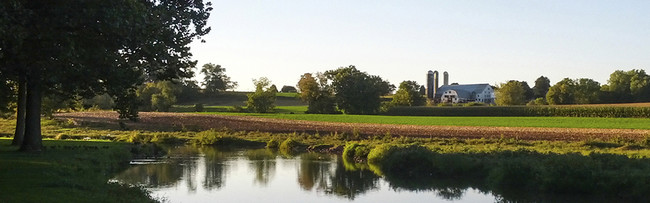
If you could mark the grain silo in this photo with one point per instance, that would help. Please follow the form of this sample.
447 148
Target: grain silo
445 78
430 89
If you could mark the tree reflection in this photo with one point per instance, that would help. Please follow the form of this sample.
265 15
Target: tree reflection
215 168
262 163
332 177
163 174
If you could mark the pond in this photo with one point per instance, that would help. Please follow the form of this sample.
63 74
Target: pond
210 174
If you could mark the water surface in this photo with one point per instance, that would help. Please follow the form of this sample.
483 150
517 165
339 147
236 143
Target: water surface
251 175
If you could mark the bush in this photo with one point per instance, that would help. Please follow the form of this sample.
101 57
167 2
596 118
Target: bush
289 145
272 144
355 151
198 107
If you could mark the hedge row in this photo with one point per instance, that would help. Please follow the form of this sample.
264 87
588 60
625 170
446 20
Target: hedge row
564 111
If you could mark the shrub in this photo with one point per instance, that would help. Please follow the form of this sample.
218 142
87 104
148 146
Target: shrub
355 151
289 145
198 107
272 144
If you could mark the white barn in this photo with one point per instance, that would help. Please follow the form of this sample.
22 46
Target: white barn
455 93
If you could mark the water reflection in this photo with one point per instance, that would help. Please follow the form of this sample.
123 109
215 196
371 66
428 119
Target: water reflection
313 173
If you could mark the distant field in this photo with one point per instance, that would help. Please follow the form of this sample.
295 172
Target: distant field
545 122
239 98
278 109
647 104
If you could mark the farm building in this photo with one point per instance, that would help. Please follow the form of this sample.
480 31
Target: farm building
456 93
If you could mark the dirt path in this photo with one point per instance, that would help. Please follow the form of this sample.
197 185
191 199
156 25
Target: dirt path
177 121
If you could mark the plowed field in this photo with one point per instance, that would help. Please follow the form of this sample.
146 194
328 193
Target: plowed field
176 121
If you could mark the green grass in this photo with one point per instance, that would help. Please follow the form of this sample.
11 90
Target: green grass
546 122
67 171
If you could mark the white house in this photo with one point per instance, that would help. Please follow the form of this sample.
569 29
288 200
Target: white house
455 93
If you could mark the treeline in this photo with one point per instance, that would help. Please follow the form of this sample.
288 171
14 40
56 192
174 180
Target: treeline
622 87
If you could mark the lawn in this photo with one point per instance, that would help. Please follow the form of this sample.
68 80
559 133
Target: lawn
545 122
67 171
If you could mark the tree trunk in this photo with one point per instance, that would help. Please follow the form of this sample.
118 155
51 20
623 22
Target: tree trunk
22 106
33 139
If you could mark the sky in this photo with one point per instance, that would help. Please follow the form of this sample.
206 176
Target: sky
480 41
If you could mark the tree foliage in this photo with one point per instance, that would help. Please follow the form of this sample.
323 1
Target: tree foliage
263 99
563 92
357 92
158 96
408 94
215 78
287 88
587 91
628 86
85 48
541 87
511 93
317 93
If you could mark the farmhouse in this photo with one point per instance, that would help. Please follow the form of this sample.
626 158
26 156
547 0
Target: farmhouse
456 93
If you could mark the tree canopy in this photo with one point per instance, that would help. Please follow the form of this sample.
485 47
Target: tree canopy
541 87
86 48
357 92
215 78
511 93
317 93
408 94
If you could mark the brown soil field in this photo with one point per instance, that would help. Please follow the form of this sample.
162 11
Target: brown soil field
176 121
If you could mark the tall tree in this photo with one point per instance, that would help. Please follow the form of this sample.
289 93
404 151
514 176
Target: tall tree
317 94
528 92
84 48
408 94
215 79
358 92
563 92
541 87
587 91
510 93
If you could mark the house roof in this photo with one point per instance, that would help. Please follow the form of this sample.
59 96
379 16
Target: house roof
464 91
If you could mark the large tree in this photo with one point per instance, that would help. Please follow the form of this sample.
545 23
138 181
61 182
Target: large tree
408 94
541 87
587 91
358 92
317 93
563 92
84 48
215 79
511 93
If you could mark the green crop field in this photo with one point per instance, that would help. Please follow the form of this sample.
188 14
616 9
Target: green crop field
555 122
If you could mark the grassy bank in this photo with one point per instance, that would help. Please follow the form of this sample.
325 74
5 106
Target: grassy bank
66 171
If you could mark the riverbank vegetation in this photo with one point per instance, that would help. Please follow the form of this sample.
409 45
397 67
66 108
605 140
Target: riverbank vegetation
67 171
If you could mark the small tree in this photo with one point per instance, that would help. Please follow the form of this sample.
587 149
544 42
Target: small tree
273 89
511 93
408 94
215 79
263 99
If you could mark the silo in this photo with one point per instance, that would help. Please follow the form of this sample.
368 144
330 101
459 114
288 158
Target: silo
445 78
430 84
435 83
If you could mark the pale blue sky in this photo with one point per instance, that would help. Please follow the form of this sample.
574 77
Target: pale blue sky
475 41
